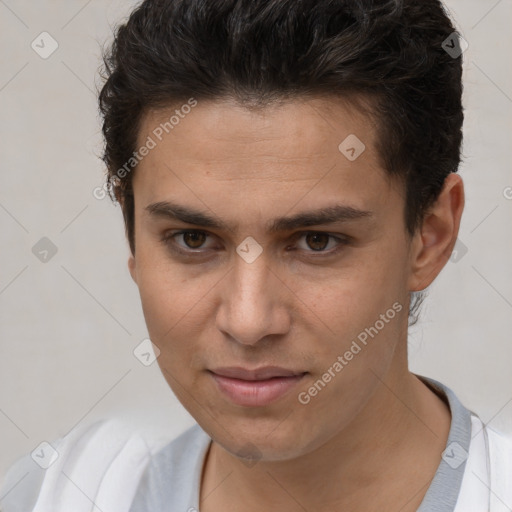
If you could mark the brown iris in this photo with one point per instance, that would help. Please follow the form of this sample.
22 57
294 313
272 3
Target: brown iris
194 239
318 238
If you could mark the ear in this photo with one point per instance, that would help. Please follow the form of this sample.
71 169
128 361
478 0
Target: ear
132 267
433 242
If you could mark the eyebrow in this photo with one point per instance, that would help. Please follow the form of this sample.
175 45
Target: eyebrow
322 216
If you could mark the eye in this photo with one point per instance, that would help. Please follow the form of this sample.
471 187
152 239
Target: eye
192 240
318 241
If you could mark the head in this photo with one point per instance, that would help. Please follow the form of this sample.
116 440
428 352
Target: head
306 150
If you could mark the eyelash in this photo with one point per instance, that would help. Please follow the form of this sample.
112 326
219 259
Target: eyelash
168 241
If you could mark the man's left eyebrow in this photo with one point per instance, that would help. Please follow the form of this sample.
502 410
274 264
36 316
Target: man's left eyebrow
322 216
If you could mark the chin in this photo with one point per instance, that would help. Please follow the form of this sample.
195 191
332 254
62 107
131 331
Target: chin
276 441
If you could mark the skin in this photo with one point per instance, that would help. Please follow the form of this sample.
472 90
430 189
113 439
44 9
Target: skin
372 438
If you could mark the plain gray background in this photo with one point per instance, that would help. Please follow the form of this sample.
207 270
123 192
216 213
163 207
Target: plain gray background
69 325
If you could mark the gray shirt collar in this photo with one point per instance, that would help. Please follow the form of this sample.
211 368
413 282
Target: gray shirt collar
444 489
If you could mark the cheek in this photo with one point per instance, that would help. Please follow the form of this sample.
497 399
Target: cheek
176 306
158 297
361 326
352 298
167 292
169 317
357 314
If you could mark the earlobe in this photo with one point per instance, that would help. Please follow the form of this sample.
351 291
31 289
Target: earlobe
433 243
132 268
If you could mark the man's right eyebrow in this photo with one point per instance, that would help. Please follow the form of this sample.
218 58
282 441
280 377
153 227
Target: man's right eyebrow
323 216
173 211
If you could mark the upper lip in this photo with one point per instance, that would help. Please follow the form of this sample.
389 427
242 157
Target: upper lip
262 373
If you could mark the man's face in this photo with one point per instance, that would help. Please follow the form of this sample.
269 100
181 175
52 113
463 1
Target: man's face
211 299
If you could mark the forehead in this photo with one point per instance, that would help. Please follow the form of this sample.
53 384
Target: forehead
222 154
298 129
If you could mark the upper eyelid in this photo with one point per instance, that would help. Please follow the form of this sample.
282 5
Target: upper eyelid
294 235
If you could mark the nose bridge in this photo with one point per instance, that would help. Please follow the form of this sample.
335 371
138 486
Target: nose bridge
251 280
251 301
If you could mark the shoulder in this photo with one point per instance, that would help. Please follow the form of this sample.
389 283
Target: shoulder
495 447
500 450
499 438
500 461
172 477
104 459
182 452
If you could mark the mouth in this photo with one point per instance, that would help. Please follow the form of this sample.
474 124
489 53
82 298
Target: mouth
255 388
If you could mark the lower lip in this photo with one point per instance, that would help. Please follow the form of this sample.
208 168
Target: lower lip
255 393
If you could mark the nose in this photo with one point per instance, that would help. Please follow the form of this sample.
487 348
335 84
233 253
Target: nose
254 303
